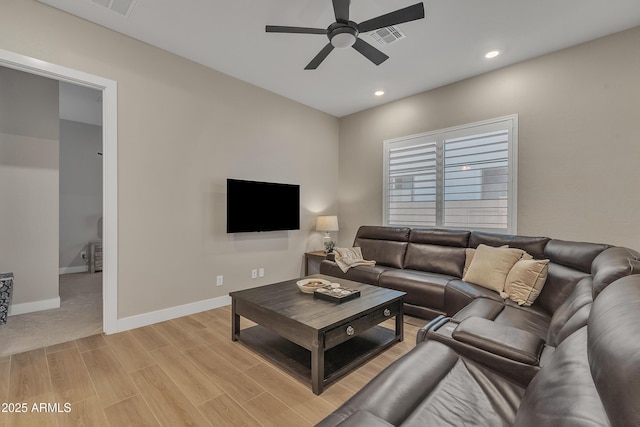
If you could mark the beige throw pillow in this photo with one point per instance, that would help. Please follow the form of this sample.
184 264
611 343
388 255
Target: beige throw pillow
490 266
469 253
526 280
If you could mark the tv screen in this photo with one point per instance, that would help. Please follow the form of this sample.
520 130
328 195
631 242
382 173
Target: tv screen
262 206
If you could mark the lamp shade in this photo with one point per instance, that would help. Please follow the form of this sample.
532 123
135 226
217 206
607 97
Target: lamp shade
327 223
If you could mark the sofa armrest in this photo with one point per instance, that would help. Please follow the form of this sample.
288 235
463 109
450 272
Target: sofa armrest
433 325
506 341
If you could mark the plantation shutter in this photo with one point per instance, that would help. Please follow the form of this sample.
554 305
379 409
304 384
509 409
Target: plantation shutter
411 185
462 177
476 178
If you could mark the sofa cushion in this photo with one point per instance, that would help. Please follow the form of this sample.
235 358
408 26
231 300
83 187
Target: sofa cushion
497 339
468 395
526 280
563 392
369 274
431 386
490 266
422 288
508 313
613 350
364 418
396 392
480 307
532 319
459 294
532 245
435 259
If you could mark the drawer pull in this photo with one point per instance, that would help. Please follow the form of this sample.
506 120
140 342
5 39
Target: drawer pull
350 330
387 312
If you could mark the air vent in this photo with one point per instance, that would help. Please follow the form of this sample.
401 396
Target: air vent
122 7
387 35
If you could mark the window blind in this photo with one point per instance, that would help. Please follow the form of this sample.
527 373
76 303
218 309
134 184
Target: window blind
411 185
462 177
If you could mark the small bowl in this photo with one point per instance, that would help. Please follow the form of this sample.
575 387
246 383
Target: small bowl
308 286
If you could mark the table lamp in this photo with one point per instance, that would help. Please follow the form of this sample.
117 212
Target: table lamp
327 223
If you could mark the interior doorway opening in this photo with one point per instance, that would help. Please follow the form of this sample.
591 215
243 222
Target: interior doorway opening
108 89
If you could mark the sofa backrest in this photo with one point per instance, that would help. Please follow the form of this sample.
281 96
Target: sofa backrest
385 245
593 376
614 350
609 265
613 264
563 389
437 251
570 262
534 246
572 314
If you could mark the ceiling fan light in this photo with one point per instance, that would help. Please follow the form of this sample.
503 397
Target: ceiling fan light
343 40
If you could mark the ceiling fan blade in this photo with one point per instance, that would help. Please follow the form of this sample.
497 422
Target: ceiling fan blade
298 30
341 10
370 52
400 16
319 57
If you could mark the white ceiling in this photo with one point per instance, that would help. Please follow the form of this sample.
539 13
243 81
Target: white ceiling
445 47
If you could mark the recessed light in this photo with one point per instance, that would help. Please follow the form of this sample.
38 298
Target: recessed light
492 54
378 93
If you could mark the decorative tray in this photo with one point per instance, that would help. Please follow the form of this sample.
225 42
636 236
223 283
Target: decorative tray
336 293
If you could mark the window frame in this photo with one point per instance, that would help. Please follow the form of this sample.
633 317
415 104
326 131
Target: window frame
510 123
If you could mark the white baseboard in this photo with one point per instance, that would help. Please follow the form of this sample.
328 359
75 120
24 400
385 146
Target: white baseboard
146 319
30 307
71 270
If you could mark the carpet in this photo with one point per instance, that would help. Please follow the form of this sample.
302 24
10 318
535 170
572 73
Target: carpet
79 316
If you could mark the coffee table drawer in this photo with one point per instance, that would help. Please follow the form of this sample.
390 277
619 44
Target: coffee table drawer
355 327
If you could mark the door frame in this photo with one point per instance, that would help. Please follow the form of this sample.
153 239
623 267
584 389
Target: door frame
109 89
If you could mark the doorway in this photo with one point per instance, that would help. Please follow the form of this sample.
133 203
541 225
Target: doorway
110 166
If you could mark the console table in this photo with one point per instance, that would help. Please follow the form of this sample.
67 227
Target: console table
320 255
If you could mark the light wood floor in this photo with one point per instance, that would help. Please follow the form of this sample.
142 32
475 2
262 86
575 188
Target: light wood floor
185 371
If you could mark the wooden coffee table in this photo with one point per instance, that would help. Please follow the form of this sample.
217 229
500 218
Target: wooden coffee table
317 341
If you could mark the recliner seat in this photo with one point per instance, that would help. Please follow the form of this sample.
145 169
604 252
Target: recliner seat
591 379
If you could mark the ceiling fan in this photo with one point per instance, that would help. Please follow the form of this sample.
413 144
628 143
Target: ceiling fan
344 33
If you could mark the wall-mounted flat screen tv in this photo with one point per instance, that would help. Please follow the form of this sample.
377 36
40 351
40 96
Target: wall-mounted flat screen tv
262 206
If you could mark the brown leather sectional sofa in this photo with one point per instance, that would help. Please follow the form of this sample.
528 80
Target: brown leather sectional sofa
571 358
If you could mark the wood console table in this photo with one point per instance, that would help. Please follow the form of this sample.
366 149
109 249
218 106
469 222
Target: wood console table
313 255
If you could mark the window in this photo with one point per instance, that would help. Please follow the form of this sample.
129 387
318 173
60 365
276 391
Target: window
462 177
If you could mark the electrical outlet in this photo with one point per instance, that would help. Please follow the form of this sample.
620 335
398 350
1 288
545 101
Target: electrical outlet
254 274
83 254
261 272
219 280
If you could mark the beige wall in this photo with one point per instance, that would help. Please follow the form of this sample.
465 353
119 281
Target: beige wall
29 129
182 130
80 192
579 144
